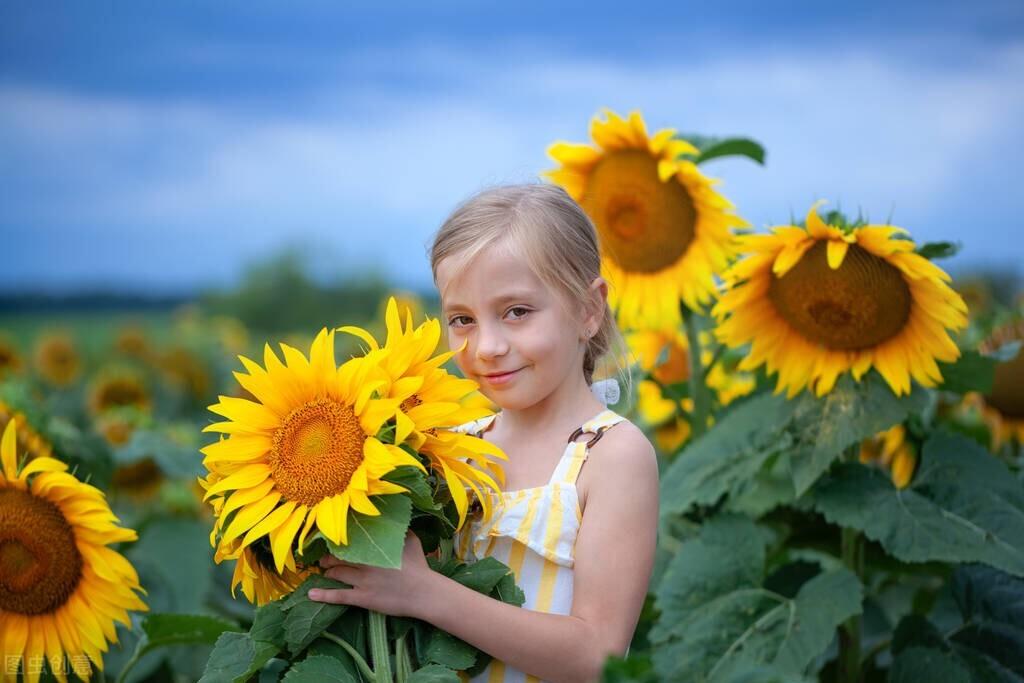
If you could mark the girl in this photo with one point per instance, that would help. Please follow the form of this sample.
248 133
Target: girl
518 270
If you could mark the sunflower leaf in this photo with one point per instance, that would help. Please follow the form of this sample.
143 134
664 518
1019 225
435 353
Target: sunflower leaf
306 621
317 668
712 148
236 657
963 505
987 646
718 619
379 540
445 649
971 372
164 630
434 673
415 482
938 250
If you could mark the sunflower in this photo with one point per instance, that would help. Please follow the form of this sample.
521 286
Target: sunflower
664 231
57 359
430 401
1002 408
303 453
187 371
814 303
62 588
117 389
661 414
131 341
10 359
255 568
891 449
29 440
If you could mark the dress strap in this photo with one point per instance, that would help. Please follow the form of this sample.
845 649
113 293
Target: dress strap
576 451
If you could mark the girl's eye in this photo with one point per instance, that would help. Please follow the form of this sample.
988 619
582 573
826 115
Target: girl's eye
459 320
518 312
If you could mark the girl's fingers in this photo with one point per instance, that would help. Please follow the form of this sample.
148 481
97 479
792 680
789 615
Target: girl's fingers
343 573
337 596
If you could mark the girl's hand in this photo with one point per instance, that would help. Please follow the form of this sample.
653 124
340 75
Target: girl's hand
397 592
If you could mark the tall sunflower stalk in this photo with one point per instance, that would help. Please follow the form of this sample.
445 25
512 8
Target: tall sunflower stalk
343 459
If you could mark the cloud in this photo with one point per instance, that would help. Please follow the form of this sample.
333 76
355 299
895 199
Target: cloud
370 168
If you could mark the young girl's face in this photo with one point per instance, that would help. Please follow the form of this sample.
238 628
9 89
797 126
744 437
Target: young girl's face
521 341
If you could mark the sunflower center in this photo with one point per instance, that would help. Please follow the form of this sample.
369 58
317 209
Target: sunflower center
316 451
1006 395
118 393
856 306
645 225
39 561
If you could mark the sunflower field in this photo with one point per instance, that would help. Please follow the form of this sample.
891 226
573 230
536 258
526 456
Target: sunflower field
839 428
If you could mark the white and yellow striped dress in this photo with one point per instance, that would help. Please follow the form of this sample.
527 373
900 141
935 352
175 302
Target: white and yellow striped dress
533 531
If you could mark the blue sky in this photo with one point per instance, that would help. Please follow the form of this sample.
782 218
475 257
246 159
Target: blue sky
163 146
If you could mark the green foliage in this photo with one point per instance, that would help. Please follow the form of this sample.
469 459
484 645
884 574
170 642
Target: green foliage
279 295
712 148
783 444
379 540
174 561
319 669
987 646
718 620
236 657
963 506
971 372
938 250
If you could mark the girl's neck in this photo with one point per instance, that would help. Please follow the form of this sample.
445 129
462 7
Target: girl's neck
571 403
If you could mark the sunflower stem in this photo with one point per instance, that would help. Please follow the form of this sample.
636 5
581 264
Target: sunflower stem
852 549
698 387
364 668
379 650
403 663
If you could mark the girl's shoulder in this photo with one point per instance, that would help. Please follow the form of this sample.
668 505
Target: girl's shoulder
623 446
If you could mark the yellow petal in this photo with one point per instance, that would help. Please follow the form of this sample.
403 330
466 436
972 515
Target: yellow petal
836 253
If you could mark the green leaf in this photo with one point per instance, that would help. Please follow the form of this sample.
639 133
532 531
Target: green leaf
236 657
918 664
447 650
164 630
712 147
727 456
631 669
768 439
733 147
319 669
718 622
851 412
988 646
174 560
268 624
415 481
434 673
963 505
304 622
482 575
301 594
938 250
971 372
377 541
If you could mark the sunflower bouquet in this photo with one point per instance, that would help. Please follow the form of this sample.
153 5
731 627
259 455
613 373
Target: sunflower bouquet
343 459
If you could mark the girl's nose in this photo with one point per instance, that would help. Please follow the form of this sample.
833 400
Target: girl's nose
490 342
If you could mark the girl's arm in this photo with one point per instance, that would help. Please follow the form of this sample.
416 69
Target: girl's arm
614 557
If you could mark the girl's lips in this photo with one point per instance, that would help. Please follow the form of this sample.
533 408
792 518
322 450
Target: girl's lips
502 378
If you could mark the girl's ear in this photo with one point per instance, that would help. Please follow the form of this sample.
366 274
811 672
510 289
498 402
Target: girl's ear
596 305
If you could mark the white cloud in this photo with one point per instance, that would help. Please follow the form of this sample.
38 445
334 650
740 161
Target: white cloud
372 168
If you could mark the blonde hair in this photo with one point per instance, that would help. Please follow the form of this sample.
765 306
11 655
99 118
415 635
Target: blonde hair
550 230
